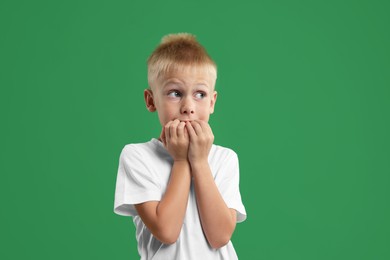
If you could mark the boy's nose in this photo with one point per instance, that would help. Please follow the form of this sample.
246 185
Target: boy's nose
187 107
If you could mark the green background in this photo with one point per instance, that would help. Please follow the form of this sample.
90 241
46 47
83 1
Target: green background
303 100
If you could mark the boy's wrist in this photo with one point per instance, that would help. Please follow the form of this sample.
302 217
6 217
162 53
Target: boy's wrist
183 162
199 164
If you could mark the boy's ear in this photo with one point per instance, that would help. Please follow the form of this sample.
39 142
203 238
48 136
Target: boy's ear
212 101
149 101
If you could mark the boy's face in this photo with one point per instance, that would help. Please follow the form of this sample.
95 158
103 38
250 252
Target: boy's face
185 95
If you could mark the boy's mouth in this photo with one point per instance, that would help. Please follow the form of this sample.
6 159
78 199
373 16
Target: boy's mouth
185 120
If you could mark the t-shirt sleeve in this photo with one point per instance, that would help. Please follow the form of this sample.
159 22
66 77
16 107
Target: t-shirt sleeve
135 183
229 185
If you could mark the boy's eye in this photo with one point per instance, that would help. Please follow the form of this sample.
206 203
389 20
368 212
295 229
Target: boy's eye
174 94
200 95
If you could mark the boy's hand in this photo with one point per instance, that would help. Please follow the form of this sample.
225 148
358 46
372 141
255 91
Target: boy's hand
175 139
201 140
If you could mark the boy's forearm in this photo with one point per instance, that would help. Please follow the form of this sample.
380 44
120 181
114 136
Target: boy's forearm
164 218
217 219
172 208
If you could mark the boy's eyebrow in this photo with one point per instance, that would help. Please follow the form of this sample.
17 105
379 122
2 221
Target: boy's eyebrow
171 83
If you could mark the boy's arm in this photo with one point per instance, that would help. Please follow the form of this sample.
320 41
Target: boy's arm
218 221
165 218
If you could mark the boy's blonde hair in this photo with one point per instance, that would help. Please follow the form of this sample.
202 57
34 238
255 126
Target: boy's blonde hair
178 52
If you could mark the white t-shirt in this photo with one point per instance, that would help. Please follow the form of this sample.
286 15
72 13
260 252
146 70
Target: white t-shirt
143 175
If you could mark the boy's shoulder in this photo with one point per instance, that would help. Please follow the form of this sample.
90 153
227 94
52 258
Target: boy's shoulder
142 145
222 151
152 148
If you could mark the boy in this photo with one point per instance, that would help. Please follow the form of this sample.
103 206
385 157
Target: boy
181 190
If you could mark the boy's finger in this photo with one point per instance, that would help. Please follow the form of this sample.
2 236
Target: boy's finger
173 128
206 127
197 127
166 130
203 124
186 135
190 130
180 129
162 135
